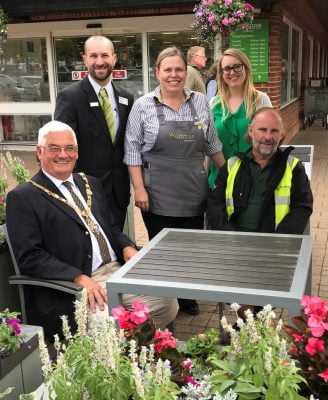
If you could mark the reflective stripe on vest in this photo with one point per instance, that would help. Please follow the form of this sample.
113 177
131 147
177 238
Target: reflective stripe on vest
233 167
281 193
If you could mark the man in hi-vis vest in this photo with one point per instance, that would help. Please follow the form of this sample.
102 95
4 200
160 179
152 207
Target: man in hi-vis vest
265 189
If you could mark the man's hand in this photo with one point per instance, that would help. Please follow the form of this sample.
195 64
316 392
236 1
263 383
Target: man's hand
97 296
129 252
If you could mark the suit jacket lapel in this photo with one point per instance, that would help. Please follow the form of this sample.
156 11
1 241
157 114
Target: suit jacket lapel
43 180
97 111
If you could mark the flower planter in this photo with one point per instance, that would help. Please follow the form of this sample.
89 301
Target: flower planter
22 369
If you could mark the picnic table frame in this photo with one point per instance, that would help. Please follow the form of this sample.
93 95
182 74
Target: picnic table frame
221 266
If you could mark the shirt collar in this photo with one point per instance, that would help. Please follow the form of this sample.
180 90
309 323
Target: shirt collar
97 87
186 92
58 182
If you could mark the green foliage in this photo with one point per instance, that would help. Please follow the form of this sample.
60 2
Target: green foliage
14 166
202 345
256 364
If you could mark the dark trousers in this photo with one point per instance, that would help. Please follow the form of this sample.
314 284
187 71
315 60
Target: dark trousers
155 223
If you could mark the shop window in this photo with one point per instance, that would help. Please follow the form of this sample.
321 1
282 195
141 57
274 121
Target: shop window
70 66
291 62
23 71
21 128
160 40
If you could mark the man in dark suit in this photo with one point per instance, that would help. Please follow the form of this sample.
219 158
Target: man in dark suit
56 236
80 106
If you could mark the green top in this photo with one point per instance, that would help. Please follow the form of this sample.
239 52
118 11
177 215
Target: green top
249 219
231 132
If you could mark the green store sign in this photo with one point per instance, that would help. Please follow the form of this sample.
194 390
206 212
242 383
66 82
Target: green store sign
255 43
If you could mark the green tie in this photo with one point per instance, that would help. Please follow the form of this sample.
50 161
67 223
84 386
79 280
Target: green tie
108 113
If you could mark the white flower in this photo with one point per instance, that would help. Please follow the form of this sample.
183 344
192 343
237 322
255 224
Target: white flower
234 307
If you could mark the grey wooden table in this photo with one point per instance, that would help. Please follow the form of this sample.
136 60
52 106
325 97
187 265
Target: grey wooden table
247 268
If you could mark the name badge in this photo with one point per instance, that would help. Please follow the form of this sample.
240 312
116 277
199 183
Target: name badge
94 104
123 100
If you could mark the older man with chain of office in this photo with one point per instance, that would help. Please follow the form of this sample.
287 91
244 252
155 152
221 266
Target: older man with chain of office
61 228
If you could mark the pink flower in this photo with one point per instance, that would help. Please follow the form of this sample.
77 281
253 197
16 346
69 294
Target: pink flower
298 338
324 375
227 2
126 325
239 14
314 345
14 324
2 200
190 379
139 313
231 20
187 364
211 18
317 326
121 314
123 318
314 306
249 7
225 21
165 340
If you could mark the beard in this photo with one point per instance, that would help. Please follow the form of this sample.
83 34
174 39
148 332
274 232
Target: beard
101 75
264 151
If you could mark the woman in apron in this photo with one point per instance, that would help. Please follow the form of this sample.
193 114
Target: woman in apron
169 132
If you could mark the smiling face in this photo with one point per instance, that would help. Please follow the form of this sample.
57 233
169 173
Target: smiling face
266 132
171 74
233 78
58 165
100 59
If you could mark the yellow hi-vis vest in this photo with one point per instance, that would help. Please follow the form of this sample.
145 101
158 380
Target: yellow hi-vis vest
281 193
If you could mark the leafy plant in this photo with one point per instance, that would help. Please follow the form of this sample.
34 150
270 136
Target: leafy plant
100 362
10 333
16 167
203 345
256 364
310 344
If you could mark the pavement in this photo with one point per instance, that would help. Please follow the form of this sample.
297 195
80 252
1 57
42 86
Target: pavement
208 317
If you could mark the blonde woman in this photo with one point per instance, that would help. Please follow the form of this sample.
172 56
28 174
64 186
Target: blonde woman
236 102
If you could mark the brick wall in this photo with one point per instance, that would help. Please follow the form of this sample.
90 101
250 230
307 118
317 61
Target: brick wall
298 12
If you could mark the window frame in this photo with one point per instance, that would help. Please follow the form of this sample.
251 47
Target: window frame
292 27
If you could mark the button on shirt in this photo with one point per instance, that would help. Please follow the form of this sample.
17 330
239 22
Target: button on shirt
96 256
111 98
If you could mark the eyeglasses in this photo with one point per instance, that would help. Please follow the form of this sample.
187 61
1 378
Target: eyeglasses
236 68
55 150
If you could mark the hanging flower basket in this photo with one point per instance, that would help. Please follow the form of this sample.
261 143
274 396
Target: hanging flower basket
3 25
215 17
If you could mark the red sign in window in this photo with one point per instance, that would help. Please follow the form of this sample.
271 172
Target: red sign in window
119 74
78 75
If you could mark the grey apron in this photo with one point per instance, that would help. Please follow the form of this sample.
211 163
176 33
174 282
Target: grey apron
173 170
